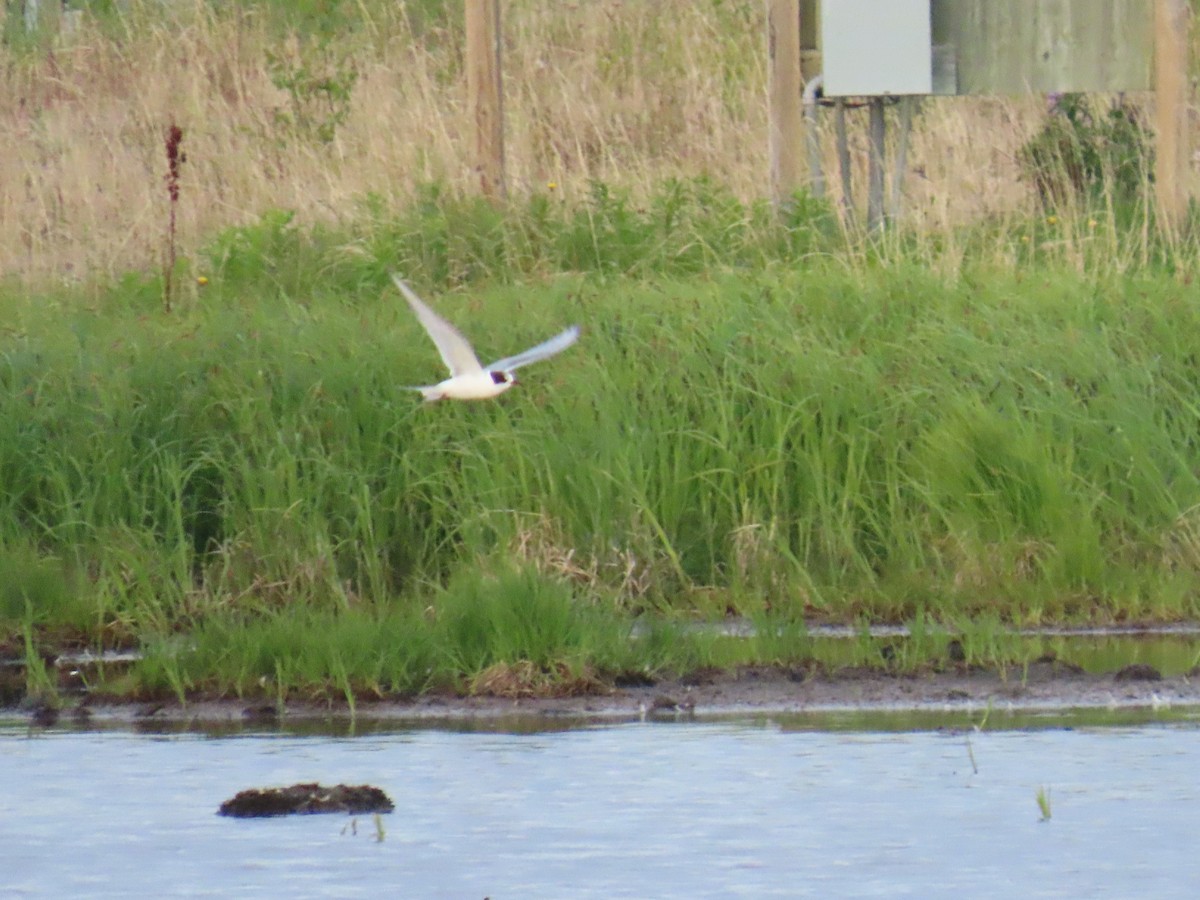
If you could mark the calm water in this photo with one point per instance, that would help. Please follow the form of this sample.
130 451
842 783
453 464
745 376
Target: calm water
747 809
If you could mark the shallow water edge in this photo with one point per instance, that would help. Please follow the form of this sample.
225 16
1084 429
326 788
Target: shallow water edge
1039 688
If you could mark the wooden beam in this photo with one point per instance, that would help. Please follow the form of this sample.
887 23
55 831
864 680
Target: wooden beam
785 106
876 165
485 95
900 167
1171 153
843 154
1023 46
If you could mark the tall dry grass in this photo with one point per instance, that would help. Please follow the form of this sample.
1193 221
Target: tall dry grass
626 93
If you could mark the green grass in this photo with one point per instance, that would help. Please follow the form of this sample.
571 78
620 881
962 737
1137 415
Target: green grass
760 419
475 624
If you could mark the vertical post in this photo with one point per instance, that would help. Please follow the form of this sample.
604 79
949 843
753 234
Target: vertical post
1171 21
485 99
900 166
876 175
843 154
812 135
786 127
31 10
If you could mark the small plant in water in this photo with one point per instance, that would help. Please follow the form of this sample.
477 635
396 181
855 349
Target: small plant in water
380 831
39 680
977 727
1043 802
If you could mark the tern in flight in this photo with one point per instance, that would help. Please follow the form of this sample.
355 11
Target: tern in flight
468 379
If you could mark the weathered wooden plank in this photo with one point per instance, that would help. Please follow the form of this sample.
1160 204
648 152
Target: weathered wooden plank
485 95
785 107
1172 152
876 176
1045 45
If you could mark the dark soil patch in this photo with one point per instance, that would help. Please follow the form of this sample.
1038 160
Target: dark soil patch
1137 672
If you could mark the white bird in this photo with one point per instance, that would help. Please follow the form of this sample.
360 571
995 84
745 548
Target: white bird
468 379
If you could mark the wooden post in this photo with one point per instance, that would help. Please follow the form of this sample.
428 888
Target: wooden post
900 167
485 98
843 153
876 169
1172 152
30 11
786 138
812 137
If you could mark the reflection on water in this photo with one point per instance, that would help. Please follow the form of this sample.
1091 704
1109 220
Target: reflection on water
737 808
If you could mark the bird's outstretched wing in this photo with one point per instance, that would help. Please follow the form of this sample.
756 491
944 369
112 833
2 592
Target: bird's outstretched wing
456 351
556 344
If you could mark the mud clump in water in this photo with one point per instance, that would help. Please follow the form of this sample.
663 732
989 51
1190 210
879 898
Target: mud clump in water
304 799
1138 672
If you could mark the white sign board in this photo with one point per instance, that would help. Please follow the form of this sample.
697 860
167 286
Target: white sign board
873 47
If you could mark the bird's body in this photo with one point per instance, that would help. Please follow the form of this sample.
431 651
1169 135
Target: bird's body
468 379
475 386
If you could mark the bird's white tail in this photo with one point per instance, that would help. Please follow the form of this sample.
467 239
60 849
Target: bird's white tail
431 393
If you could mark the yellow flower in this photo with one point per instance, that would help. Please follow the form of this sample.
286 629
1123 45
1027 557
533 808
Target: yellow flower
201 280
1051 220
552 185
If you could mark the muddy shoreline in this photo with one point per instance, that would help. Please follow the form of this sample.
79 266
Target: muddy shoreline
750 691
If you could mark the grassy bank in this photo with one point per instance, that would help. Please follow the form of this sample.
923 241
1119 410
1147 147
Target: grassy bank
311 107
776 424
207 451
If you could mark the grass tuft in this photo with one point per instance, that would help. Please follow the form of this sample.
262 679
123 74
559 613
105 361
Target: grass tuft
1043 802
